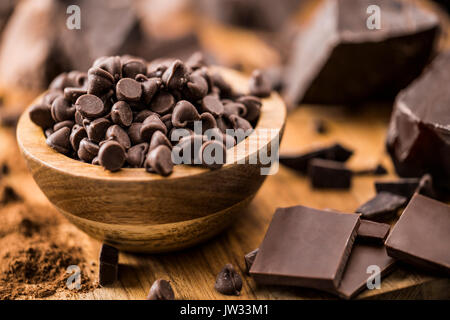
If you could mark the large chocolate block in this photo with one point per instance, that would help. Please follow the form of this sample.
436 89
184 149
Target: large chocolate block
337 59
419 133
262 14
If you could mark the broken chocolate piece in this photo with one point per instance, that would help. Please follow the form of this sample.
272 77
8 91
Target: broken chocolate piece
372 232
250 258
109 265
421 236
299 161
356 273
404 187
329 174
381 207
337 45
419 133
161 290
228 281
379 170
305 247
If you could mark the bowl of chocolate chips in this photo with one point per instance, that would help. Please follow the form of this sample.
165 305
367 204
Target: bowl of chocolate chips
152 156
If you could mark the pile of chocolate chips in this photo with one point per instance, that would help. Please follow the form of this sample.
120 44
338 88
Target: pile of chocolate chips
122 112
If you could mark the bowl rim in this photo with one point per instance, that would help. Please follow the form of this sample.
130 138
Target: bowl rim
31 141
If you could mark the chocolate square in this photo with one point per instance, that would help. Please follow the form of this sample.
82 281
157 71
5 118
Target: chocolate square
305 247
422 235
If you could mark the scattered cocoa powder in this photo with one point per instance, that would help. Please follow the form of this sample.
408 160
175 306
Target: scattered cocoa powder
35 254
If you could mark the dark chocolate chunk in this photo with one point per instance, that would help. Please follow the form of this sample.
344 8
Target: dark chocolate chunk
41 115
305 247
109 265
418 138
329 174
299 161
9 196
372 232
111 155
337 44
228 281
404 187
161 290
356 273
379 170
382 207
421 235
249 258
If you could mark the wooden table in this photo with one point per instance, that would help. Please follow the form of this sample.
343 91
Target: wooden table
193 271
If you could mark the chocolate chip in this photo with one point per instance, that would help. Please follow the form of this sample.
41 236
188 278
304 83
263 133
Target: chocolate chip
216 134
196 87
161 290
109 265
96 129
176 76
78 133
78 118
87 150
132 67
234 108
159 138
112 65
115 132
121 114
68 123
134 132
50 96
212 105
228 281
157 67
142 115
60 140
128 90
208 121
249 258
95 161
111 155
90 106
239 123
48 132
223 124
222 85
167 120
213 154
99 81
196 61
136 155
184 113
9 196
162 102
160 160
41 115
149 89
253 106
150 125
62 109
72 94
259 84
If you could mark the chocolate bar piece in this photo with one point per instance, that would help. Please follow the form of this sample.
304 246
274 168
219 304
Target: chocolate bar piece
372 232
418 139
421 236
109 265
305 247
381 207
329 174
404 187
299 161
338 59
250 258
357 274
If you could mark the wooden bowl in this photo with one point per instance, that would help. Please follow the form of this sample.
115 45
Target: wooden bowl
137 211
